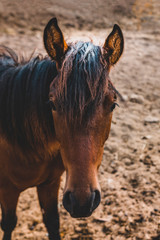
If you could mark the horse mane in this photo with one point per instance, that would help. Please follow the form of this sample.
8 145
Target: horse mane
81 83
25 116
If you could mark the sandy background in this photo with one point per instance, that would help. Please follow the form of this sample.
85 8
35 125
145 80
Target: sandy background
130 170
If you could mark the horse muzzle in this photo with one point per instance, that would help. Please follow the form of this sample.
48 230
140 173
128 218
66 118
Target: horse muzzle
72 204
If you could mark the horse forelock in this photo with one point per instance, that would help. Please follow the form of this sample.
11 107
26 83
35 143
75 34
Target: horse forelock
81 83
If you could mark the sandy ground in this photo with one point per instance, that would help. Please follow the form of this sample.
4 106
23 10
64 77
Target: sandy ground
130 171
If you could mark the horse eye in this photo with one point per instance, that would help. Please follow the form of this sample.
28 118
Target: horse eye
113 106
52 106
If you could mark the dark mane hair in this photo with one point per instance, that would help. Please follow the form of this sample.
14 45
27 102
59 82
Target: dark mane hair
80 85
25 118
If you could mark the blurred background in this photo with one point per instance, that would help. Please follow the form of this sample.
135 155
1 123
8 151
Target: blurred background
31 15
130 171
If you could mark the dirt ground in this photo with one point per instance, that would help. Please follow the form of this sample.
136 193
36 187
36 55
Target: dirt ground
130 171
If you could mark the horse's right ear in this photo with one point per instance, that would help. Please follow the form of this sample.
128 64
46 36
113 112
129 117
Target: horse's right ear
54 42
114 45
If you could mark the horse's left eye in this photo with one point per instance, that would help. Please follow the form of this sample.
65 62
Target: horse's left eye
113 106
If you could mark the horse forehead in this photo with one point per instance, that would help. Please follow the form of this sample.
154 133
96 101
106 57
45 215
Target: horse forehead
81 128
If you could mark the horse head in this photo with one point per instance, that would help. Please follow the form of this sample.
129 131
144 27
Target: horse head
83 99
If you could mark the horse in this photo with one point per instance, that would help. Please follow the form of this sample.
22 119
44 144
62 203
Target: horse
55 116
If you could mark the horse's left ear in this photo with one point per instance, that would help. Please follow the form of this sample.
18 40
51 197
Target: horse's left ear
54 42
114 45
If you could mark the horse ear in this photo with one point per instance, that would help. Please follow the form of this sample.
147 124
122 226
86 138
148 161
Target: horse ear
54 42
114 45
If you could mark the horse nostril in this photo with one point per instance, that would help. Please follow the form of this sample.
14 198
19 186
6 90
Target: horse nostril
68 201
95 200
